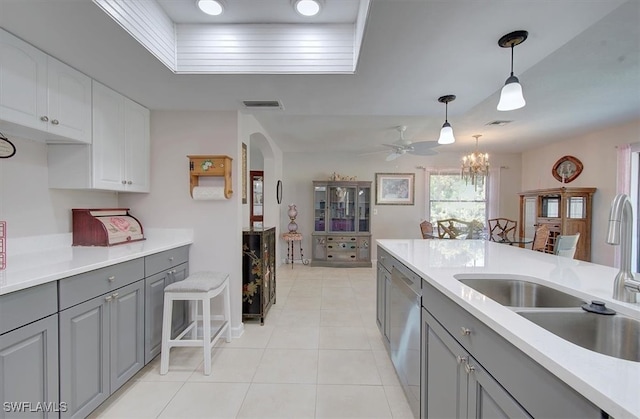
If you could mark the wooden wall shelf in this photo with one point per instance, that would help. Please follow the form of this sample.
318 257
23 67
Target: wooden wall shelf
210 165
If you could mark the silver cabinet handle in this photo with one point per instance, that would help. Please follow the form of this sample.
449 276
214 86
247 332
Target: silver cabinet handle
469 368
129 182
55 122
465 331
461 359
107 298
111 278
115 295
124 182
44 118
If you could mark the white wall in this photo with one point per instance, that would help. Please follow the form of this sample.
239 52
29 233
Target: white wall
216 224
391 221
26 202
597 152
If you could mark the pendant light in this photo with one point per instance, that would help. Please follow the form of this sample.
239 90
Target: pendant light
446 133
511 95
211 7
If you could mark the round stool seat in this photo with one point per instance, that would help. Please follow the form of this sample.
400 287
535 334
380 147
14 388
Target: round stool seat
198 282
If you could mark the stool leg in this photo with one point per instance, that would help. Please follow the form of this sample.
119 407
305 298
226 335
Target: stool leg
193 312
165 347
206 334
227 312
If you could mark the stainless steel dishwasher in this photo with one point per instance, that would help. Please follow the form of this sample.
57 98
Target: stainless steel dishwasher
404 332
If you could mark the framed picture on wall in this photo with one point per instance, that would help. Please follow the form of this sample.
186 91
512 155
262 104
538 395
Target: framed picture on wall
395 188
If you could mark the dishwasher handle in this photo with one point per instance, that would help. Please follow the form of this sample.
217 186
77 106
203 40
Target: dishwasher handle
408 287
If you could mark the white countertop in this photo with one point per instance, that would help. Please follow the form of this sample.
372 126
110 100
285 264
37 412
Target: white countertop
610 383
36 260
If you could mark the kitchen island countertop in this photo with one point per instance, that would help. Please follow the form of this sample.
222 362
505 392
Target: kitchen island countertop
37 260
610 383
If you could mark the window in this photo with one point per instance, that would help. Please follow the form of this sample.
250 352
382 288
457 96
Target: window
450 197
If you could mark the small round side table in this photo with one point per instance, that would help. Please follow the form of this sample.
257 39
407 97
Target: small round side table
291 238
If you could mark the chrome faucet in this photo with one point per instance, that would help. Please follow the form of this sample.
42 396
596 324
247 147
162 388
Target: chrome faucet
620 232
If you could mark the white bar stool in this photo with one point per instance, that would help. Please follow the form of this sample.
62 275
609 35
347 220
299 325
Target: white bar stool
199 286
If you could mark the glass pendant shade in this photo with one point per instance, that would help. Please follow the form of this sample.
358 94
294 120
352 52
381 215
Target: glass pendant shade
446 134
511 95
307 7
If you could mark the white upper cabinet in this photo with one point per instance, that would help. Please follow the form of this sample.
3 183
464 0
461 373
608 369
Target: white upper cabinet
119 157
40 97
69 102
120 142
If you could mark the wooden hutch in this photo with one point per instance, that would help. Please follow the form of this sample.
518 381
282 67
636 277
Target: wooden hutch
564 210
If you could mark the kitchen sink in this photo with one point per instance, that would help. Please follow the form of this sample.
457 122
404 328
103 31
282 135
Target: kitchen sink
520 293
616 335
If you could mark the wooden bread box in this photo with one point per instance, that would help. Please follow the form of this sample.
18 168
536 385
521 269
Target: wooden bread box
105 227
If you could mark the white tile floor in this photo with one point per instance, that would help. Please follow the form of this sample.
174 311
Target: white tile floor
318 355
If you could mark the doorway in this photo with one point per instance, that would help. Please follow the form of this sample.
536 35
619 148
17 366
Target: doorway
256 178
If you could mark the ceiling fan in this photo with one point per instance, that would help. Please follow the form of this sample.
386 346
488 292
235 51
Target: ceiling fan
403 146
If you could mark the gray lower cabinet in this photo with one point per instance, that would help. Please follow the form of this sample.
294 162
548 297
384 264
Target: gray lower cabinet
101 347
29 370
154 304
470 371
382 301
455 385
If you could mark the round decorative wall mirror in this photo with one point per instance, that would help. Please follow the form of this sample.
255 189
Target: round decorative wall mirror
566 169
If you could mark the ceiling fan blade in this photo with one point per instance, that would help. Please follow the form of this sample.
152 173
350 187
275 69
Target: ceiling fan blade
393 156
421 146
394 146
424 152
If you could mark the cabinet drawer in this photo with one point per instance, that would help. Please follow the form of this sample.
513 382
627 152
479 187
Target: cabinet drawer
79 288
341 239
28 305
341 246
341 255
164 260
385 259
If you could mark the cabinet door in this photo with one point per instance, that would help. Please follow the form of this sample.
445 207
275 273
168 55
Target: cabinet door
69 102
126 333
380 298
487 399
342 209
23 83
180 308
108 139
84 356
364 203
444 384
154 300
136 151
29 365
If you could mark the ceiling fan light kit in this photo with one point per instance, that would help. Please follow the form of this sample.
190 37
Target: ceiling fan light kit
511 95
446 133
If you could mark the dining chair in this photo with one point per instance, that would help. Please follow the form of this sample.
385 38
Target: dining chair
426 228
453 228
566 245
502 229
541 239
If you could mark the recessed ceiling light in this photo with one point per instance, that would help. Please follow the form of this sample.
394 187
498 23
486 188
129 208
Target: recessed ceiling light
211 7
307 7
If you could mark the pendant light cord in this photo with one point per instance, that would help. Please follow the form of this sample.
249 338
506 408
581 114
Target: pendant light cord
512 60
446 112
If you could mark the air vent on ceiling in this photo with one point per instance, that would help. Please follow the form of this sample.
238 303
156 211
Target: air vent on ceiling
262 104
499 123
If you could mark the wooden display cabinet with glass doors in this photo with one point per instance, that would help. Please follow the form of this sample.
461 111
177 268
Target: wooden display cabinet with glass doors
341 224
565 211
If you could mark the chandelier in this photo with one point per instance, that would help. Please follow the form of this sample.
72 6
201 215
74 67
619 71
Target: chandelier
475 166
